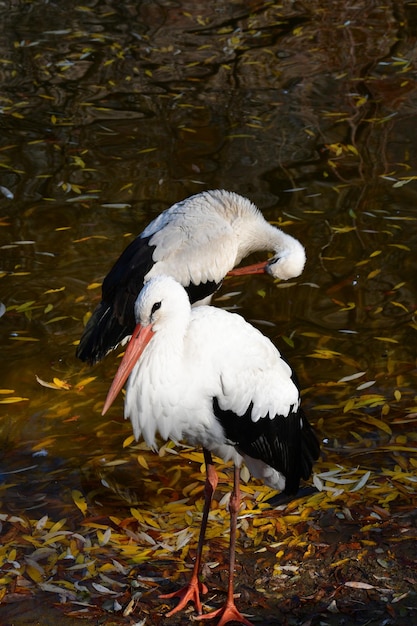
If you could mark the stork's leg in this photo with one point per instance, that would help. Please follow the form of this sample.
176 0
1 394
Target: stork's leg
191 592
228 612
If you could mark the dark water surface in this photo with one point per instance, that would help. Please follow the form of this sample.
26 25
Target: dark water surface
110 112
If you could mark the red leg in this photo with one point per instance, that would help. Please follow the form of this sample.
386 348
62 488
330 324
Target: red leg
191 592
229 612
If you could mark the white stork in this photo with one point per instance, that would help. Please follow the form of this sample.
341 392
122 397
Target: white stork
197 241
207 376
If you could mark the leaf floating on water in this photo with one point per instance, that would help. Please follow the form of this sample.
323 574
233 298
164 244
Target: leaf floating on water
369 383
370 419
142 461
399 305
84 382
83 198
12 400
389 339
56 384
128 441
20 338
373 274
6 192
347 379
400 246
323 353
79 500
288 341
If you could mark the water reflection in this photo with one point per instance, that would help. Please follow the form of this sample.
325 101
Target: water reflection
110 113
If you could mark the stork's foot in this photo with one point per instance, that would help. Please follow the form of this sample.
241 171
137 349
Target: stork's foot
227 613
189 593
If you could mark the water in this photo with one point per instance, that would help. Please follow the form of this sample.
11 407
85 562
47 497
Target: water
109 114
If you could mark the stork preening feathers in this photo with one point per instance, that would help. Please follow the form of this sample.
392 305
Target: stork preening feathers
197 241
207 376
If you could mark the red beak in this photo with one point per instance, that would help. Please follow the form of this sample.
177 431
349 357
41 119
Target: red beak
256 268
140 338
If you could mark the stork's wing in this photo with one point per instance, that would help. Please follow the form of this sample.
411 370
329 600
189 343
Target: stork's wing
286 443
113 319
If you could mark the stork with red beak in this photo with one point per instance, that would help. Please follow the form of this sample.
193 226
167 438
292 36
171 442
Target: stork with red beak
208 377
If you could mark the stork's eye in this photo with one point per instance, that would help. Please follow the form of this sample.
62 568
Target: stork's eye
155 307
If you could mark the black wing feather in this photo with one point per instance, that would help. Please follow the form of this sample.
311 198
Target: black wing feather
114 318
286 443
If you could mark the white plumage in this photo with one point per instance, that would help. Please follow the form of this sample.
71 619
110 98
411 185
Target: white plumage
197 241
207 376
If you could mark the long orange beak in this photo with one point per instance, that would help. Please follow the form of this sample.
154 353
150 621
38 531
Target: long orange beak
256 268
138 342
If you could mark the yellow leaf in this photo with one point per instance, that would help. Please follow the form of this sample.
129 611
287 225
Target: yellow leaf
93 285
349 306
339 562
322 353
61 384
103 538
85 381
57 526
137 515
370 419
54 290
352 149
400 246
46 384
394 448
24 339
12 555
12 400
34 573
146 150
128 441
349 405
78 161
401 306
389 339
79 500
142 461
361 101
